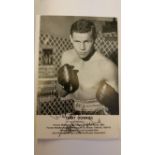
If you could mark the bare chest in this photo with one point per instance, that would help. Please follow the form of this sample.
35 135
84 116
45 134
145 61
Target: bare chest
89 75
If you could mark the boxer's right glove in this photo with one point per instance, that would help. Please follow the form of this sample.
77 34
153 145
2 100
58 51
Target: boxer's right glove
67 80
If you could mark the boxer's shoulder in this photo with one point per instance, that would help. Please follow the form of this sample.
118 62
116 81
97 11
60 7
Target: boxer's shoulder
105 66
68 56
103 61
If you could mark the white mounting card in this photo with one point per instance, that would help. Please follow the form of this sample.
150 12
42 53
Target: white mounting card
77 69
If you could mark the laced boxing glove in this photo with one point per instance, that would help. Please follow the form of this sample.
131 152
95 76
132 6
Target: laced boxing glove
108 97
67 80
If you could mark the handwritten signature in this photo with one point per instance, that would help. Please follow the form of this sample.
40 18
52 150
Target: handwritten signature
75 124
74 127
69 128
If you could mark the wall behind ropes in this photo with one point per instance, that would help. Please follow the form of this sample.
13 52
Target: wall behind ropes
60 26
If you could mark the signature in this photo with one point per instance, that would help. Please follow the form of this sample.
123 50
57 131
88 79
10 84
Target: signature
75 124
69 128
75 127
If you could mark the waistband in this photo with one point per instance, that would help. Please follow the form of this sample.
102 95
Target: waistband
90 105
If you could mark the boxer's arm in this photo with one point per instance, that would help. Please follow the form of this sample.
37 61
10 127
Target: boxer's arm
107 93
66 57
112 76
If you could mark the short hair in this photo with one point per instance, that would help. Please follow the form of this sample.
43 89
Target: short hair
83 26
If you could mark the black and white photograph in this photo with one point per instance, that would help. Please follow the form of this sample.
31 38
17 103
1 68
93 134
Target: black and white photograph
77 77
78 66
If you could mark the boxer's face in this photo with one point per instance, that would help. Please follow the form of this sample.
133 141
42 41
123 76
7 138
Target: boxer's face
83 43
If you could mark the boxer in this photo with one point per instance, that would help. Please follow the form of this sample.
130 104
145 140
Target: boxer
86 75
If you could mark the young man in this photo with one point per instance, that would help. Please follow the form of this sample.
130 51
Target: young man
86 75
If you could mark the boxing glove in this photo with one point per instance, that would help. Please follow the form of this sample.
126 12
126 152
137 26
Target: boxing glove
67 79
108 97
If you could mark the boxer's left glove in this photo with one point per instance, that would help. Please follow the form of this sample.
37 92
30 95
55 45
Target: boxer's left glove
67 80
108 97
